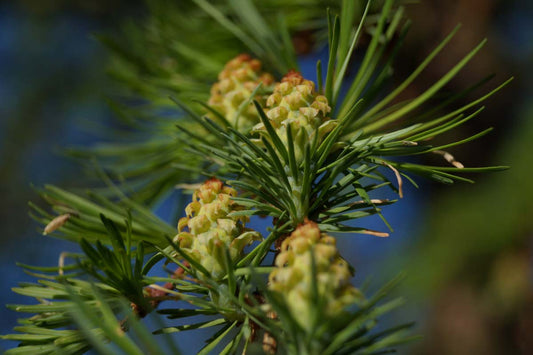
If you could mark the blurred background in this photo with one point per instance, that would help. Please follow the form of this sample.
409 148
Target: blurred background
466 249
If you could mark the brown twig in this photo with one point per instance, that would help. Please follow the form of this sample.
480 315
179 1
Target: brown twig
157 295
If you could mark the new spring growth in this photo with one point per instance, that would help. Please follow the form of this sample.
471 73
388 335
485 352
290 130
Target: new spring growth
292 276
210 229
296 103
236 83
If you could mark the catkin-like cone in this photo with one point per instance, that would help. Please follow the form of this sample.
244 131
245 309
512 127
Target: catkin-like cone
211 230
236 83
296 103
292 276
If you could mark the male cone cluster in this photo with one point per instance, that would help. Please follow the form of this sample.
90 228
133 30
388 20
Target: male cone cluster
236 83
211 230
293 103
292 276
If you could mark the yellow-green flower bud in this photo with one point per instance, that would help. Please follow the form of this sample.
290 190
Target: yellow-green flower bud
236 82
295 102
210 228
292 276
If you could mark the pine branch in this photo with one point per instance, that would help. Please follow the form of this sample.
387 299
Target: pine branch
308 157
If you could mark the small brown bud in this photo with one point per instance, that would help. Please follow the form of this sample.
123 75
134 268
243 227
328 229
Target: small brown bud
56 223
